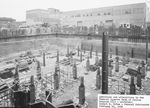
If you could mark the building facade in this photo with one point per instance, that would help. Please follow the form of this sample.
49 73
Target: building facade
40 16
7 22
136 14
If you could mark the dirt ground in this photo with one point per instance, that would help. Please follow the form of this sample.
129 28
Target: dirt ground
89 80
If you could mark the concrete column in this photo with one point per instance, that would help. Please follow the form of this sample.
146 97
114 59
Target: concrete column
117 64
78 50
139 78
84 50
68 51
32 90
98 79
110 53
148 59
88 64
44 64
96 60
57 57
16 79
109 69
123 60
80 56
92 47
38 70
71 58
116 50
132 86
132 53
143 73
105 63
82 92
56 79
74 70
81 45
100 62
127 59
91 52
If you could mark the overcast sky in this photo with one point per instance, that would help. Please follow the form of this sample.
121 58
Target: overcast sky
17 8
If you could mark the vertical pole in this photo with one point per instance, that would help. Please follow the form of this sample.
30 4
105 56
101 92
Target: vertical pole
116 50
91 53
88 64
98 79
92 47
143 69
68 51
80 56
105 63
146 46
57 57
56 80
128 58
32 90
38 70
81 45
132 53
139 78
82 92
16 79
132 86
117 64
84 50
78 50
44 59
123 60
110 53
74 69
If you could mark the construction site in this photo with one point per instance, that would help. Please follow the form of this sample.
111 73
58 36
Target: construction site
70 72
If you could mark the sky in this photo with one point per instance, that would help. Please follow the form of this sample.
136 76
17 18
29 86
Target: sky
17 8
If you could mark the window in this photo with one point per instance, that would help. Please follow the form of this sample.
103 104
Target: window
126 11
138 10
109 21
117 12
108 13
87 15
98 14
72 16
78 15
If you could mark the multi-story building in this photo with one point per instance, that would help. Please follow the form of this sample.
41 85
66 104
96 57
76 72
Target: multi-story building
136 14
7 22
40 16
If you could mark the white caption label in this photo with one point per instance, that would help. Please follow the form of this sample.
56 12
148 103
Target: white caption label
123 101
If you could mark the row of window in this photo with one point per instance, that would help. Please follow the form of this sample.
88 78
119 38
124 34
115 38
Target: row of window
110 21
116 12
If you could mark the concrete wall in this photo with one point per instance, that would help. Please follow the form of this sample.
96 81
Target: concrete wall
123 47
7 48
